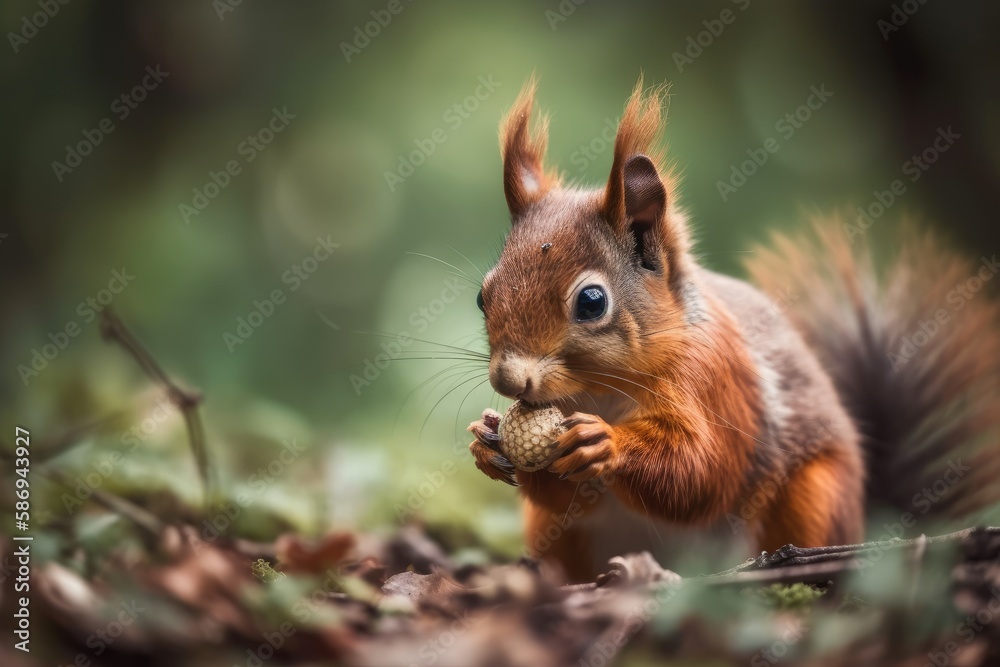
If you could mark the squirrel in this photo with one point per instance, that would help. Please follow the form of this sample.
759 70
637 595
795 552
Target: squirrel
695 399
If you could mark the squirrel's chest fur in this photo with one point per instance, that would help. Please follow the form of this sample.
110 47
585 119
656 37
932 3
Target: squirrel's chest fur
800 423
690 396
695 402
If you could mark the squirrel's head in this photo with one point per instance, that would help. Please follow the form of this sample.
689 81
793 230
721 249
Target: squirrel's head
586 277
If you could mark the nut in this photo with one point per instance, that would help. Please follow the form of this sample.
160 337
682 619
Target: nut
528 435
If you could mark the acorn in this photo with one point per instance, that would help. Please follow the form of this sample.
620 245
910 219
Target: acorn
528 435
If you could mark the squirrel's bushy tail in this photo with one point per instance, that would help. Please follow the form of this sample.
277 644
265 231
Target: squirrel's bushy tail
914 350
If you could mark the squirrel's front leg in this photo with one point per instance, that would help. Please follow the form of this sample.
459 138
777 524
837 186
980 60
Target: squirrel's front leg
486 448
589 449
654 467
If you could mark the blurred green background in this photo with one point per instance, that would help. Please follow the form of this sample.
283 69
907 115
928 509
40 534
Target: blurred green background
361 105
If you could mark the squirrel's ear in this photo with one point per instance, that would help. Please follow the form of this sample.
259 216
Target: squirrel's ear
636 198
645 195
522 148
645 202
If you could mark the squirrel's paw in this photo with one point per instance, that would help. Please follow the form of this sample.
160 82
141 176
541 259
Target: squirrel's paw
486 448
589 449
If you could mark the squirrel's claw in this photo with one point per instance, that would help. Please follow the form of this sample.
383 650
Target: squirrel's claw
588 449
485 430
491 418
486 449
493 465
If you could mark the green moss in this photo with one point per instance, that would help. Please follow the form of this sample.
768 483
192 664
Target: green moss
265 572
788 597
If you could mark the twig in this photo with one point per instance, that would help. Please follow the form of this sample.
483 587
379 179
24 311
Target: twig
51 447
820 565
817 573
187 401
147 522
791 564
791 555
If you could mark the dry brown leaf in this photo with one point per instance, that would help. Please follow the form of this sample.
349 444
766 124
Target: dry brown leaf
296 554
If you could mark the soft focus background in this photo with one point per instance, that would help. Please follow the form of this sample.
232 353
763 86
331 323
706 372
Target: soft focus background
420 99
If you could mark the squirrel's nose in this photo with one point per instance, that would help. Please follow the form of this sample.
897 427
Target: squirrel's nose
513 376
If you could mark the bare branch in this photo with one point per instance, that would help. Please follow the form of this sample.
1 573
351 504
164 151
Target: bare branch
187 401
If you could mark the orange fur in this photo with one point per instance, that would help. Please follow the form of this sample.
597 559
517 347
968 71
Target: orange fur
810 510
918 408
555 536
688 393
522 148
639 132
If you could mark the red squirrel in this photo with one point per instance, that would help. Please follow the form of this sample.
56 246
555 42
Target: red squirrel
695 399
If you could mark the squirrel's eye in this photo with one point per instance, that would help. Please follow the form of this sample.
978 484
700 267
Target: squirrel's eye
591 303
479 301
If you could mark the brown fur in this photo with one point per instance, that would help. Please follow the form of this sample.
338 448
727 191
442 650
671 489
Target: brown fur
638 133
915 413
522 148
693 399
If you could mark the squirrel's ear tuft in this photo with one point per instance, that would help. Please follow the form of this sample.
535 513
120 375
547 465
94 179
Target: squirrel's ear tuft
637 199
522 147
638 137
